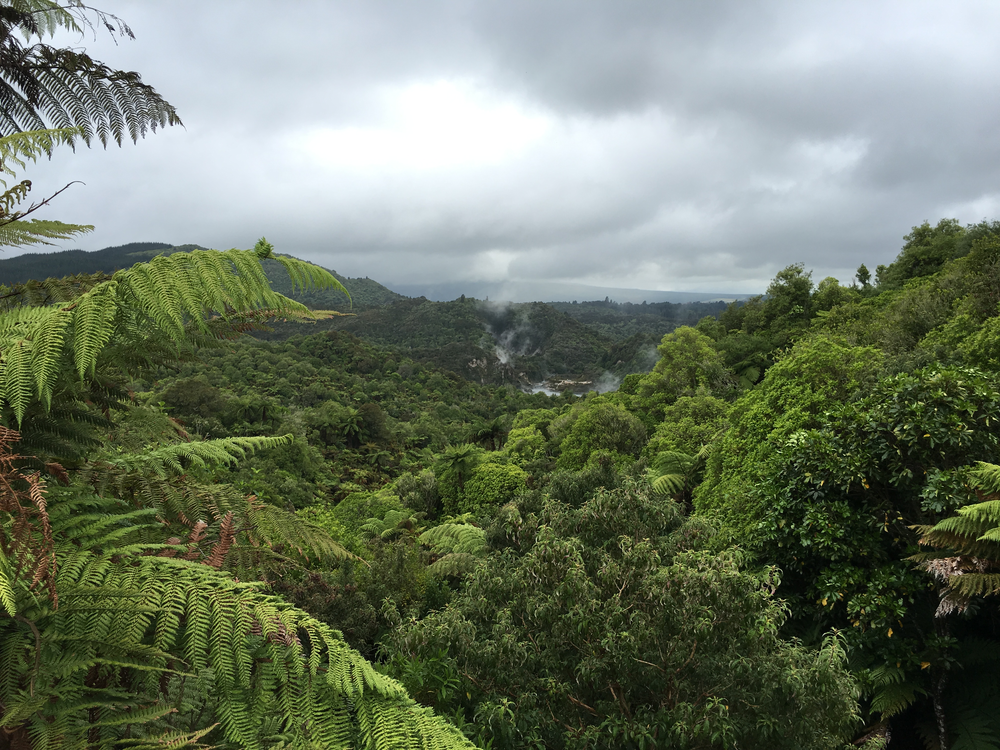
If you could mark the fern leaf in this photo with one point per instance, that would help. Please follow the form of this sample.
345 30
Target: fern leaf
891 691
456 564
7 582
460 538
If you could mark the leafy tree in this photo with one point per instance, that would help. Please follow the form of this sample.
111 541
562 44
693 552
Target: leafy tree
829 293
688 424
925 252
864 276
602 426
787 304
490 486
812 378
525 444
688 361
601 630
456 465
838 509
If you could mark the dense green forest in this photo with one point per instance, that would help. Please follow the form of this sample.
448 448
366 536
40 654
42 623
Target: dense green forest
781 534
579 346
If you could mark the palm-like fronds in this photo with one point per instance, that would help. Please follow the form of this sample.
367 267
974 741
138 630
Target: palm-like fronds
44 86
159 299
132 634
675 474
137 625
145 639
458 547
160 479
395 523
968 561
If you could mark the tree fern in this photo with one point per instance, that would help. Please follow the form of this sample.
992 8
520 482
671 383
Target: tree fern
41 85
162 297
457 548
968 561
134 628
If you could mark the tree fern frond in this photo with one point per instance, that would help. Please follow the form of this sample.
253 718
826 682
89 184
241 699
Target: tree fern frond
48 291
273 526
28 145
456 564
159 298
27 232
462 538
177 458
987 476
167 740
890 690
7 583
669 484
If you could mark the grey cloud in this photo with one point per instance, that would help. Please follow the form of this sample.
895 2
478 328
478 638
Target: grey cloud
689 145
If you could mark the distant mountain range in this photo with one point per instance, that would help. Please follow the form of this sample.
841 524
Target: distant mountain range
554 291
449 325
365 292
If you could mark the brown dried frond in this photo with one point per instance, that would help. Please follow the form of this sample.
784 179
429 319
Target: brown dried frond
23 497
58 471
170 552
948 570
227 534
196 535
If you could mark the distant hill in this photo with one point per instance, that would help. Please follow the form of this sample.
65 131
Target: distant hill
364 293
489 342
520 343
619 320
551 291
70 262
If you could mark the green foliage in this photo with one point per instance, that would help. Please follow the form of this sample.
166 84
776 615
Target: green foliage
525 444
603 624
837 505
601 426
456 547
15 229
688 424
455 467
419 492
153 636
354 511
829 294
926 251
135 641
788 302
675 474
42 346
490 485
812 378
688 362
968 564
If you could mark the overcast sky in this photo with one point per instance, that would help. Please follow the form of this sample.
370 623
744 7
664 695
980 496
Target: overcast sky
691 146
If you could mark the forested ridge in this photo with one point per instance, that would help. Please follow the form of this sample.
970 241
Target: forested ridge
494 343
